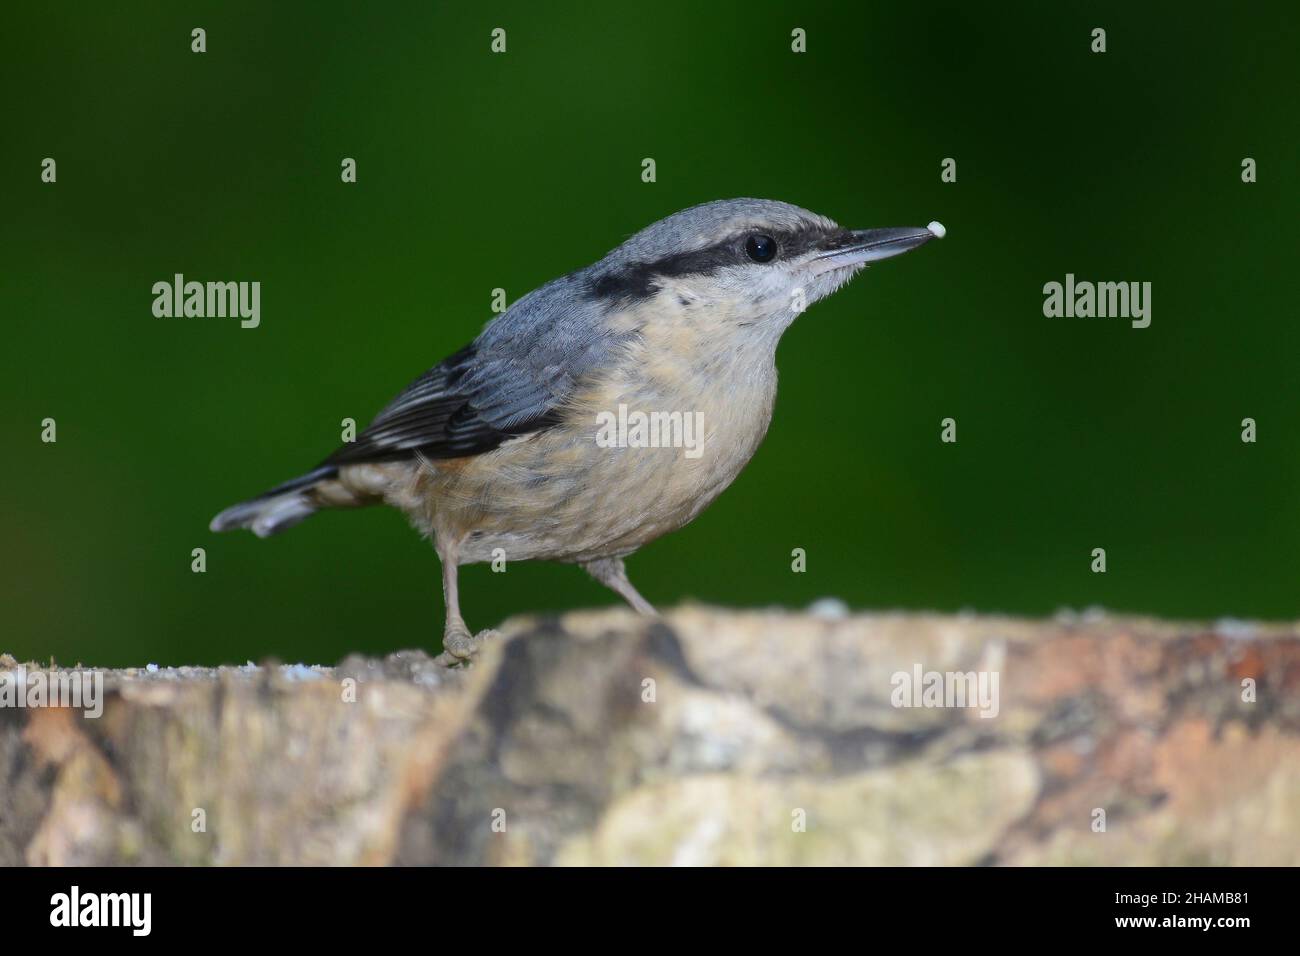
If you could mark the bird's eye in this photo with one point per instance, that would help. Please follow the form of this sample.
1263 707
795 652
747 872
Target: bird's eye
760 248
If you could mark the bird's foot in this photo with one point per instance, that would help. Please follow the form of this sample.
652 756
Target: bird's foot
459 646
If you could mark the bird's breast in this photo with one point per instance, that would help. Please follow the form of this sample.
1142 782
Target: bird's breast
643 446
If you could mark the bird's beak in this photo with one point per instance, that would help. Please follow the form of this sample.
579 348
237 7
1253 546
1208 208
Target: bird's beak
870 245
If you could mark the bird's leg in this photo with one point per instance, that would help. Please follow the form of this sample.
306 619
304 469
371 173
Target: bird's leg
612 573
458 644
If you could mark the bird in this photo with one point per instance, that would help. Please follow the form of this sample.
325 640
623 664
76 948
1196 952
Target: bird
531 442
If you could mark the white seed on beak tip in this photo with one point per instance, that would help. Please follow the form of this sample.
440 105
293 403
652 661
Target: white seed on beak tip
938 229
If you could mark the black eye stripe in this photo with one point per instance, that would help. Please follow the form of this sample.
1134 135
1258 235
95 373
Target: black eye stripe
637 281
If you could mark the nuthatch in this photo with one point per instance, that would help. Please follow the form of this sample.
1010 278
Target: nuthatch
502 450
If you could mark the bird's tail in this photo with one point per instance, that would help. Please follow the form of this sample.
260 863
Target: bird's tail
273 511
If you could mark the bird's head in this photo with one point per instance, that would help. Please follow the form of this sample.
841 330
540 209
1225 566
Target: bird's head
744 262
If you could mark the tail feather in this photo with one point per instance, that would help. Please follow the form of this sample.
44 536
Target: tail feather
275 510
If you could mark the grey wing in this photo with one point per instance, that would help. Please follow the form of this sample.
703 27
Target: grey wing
514 379
465 405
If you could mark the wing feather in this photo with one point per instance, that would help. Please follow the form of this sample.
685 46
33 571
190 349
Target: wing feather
514 379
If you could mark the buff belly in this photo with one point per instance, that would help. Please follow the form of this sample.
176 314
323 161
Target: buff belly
560 495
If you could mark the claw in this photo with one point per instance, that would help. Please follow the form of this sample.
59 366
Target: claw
461 647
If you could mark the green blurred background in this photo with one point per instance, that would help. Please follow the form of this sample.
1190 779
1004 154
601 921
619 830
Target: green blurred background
479 170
